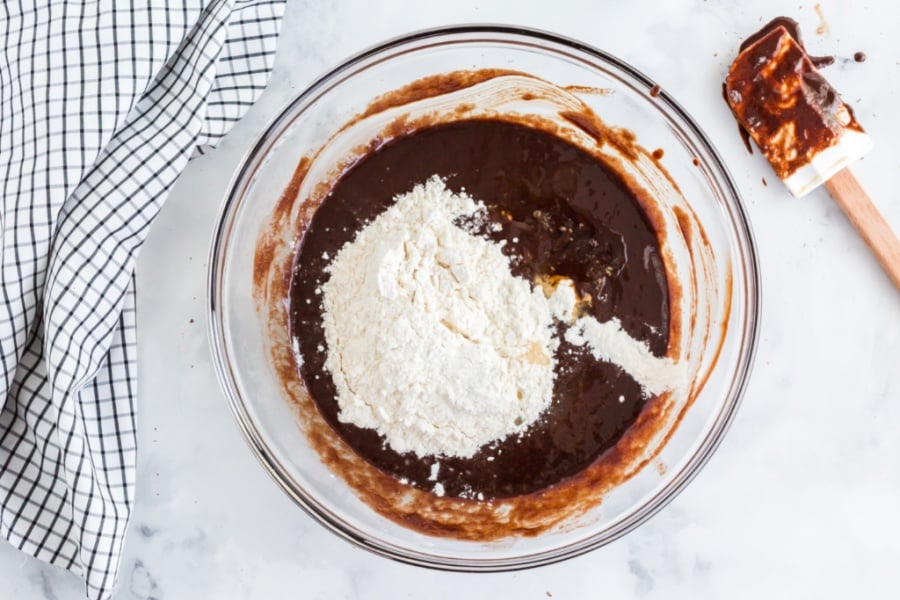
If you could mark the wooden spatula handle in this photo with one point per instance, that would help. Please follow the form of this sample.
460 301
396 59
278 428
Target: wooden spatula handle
864 215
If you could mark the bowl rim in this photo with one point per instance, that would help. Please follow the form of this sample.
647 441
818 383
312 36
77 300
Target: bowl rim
251 161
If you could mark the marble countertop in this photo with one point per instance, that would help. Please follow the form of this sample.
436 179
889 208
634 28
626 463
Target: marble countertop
800 501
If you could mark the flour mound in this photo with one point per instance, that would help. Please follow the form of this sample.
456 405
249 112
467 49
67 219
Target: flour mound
432 341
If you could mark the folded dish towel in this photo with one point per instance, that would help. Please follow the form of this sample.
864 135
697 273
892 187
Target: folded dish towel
102 104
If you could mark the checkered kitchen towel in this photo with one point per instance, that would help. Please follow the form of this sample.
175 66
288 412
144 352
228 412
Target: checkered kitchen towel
102 103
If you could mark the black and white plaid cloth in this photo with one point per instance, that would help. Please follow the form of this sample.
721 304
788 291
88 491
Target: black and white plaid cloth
102 104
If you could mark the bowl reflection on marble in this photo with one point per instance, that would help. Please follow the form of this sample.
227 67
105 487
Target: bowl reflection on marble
708 250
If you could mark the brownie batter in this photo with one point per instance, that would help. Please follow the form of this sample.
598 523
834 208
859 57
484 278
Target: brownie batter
793 28
781 100
561 212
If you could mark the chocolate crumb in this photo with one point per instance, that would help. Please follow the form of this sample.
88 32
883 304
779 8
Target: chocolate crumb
823 28
860 57
655 90
696 161
658 154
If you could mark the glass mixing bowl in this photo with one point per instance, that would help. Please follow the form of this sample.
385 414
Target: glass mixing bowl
623 97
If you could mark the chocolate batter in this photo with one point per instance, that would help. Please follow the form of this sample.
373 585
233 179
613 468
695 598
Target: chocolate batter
561 212
773 82
793 29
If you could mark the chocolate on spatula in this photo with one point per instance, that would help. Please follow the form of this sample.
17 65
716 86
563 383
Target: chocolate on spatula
805 130
792 113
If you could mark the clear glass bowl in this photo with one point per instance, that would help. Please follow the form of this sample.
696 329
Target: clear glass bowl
621 96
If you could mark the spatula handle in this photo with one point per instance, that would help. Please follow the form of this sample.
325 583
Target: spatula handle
864 215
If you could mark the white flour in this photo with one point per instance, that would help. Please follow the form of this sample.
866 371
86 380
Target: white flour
434 343
607 341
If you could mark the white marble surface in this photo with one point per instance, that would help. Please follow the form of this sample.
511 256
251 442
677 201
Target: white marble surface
801 500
